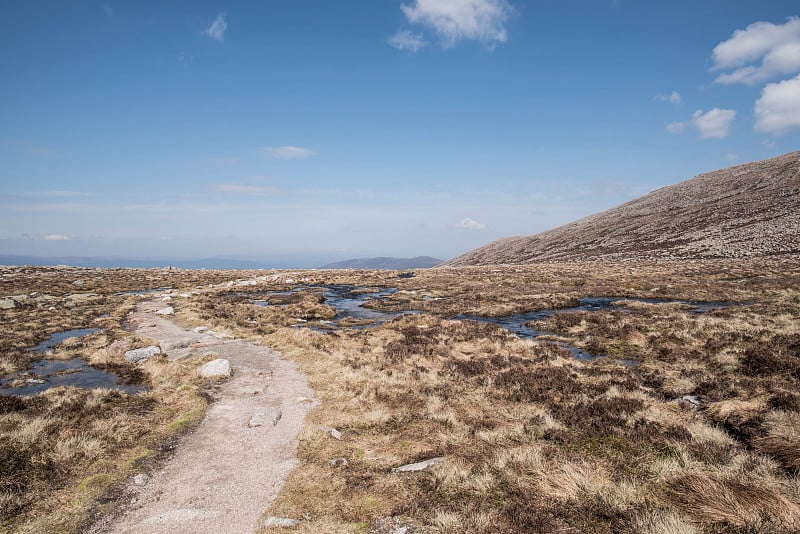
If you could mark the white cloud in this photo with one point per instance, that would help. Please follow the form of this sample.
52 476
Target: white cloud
217 29
676 127
761 51
470 224
288 152
778 108
56 237
452 20
713 124
673 98
243 188
405 40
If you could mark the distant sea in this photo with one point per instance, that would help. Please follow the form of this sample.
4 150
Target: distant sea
146 263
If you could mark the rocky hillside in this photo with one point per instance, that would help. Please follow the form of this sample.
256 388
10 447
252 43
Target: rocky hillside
420 262
742 211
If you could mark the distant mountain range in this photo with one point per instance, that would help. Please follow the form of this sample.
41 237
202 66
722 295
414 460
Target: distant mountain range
749 210
394 264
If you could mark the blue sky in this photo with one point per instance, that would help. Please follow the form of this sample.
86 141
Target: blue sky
373 127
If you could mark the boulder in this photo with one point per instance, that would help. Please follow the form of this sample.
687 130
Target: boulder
141 355
219 368
169 310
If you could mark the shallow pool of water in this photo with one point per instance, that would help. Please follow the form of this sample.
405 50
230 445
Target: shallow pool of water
58 337
46 374
518 323
348 301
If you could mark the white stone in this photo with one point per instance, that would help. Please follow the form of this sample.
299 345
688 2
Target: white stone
141 355
169 310
219 368
201 329
141 479
280 522
265 417
419 466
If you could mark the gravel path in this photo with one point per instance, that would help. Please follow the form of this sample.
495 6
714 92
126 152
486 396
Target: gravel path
224 474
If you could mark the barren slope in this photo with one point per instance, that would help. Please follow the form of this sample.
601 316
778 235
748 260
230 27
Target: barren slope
746 210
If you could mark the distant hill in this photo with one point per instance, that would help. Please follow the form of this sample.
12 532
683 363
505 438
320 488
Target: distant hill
394 264
748 210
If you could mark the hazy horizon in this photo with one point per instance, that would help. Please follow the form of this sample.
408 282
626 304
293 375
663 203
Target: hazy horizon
302 130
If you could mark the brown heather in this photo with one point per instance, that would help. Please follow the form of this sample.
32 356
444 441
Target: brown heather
533 439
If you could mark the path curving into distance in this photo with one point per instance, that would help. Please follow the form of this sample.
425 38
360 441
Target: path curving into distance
224 474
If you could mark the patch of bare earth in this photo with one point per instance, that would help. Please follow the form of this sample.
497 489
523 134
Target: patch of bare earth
229 469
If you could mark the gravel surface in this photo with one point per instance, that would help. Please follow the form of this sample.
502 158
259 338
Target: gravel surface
223 475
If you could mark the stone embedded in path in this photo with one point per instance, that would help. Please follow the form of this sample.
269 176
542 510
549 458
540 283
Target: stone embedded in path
280 522
219 368
141 355
141 479
201 329
419 466
169 310
266 417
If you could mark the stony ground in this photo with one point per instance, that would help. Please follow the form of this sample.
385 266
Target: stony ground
749 210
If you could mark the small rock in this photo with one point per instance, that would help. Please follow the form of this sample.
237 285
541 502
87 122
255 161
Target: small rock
694 400
335 434
141 479
141 355
201 329
35 381
280 522
219 368
254 390
339 462
265 417
419 466
169 310
8 304
79 282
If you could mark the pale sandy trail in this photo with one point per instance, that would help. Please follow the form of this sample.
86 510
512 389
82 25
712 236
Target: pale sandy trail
224 474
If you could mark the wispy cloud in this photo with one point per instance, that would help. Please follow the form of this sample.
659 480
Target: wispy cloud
57 237
778 108
288 152
676 127
453 20
470 224
408 41
761 51
244 189
672 98
712 124
217 29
